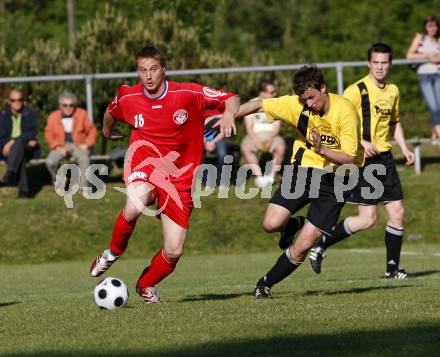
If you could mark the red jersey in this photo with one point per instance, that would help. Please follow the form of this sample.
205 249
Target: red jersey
173 122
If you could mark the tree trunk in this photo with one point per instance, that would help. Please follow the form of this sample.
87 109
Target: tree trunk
71 20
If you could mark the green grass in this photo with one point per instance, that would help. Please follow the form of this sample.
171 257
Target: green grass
48 310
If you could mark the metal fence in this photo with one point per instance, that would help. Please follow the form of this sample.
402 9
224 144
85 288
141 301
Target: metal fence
89 78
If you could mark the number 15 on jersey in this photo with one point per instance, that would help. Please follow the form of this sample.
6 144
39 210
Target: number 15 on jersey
138 121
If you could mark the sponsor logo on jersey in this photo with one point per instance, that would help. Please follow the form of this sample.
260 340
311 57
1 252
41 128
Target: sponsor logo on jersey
327 137
383 109
180 116
137 175
212 93
157 106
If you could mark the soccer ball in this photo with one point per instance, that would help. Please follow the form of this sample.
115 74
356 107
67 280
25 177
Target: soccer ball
110 294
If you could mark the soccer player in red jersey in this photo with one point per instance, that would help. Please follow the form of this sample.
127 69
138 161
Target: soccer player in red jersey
166 147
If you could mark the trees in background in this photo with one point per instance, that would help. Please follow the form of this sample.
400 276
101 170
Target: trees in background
206 33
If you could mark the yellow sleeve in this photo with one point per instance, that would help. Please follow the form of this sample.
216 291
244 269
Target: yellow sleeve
282 108
395 116
349 130
353 94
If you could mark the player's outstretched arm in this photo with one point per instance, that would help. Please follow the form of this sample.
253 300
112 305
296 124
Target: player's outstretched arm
339 158
250 107
108 127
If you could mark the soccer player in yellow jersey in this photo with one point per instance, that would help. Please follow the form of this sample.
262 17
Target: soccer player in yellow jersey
328 135
377 103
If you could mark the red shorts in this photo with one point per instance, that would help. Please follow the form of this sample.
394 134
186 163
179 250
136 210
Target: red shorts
177 204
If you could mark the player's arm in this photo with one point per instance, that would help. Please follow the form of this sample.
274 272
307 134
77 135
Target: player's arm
353 95
349 137
397 131
250 107
108 127
369 148
339 158
227 122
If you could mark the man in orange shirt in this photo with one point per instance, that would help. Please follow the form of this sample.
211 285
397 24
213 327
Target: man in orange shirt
69 132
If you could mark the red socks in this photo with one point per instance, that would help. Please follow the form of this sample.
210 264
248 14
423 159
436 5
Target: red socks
160 266
159 269
121 234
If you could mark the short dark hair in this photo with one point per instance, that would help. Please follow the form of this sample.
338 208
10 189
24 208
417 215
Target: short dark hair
263 84
432 19
307 76
381 48
150 52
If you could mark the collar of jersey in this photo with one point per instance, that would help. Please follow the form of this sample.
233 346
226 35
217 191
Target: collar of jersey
163 94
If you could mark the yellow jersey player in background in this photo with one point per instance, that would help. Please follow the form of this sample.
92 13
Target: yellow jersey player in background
377 103
328 135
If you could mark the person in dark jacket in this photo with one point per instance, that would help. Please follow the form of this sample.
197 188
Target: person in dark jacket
18 141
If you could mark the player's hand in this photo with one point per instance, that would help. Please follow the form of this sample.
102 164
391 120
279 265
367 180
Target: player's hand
409 156
370 149
115 135
316 140
226 124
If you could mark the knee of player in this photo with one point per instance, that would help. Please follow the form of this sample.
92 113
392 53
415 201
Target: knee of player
270 225
400 212
299 251
173 254
397 214
132 212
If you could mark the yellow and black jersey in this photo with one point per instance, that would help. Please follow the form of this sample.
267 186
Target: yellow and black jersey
339 129
377 107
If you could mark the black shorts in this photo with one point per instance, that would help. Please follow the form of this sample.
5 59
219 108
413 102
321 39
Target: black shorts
324 208
374 187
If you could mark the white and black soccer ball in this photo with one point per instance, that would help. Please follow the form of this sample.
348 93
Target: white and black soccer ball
110 294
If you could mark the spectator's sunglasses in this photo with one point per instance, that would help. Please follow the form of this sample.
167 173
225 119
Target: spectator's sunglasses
13 100
67 105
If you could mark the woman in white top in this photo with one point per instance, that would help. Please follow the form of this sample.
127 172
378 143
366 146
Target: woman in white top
426 45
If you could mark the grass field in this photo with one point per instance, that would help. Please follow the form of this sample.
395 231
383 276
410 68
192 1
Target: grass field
207 309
